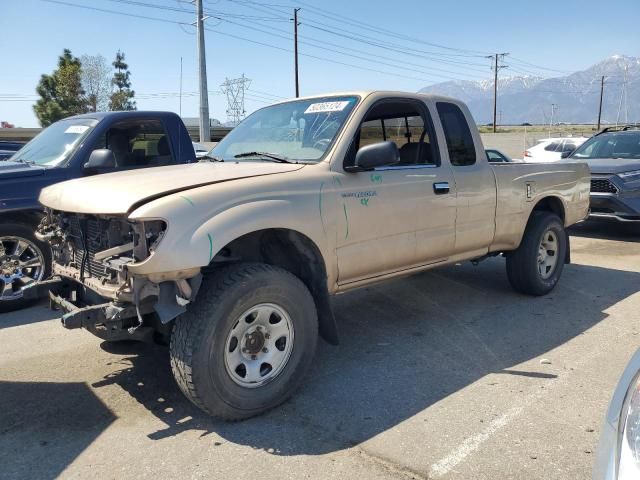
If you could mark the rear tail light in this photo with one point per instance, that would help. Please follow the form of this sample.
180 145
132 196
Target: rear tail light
527 153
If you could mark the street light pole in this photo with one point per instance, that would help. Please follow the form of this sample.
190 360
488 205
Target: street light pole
205 127
553 107
600 108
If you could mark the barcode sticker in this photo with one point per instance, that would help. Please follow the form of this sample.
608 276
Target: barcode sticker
76 129
326 107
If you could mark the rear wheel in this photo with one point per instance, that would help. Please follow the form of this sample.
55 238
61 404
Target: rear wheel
247 342
536 266
23 260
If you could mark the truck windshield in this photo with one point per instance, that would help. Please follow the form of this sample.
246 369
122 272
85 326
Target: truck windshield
610 145
54 144
297 131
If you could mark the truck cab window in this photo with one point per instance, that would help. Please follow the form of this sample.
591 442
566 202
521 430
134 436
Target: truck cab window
403 124
137 143
462 150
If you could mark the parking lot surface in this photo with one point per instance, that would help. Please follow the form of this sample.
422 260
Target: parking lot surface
447 374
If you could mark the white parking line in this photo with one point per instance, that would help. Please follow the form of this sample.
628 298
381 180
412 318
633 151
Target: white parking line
471 444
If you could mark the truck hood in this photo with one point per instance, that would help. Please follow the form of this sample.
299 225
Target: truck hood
603 166
121 192
10 170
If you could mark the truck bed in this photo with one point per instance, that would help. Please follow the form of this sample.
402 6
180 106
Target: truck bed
520 186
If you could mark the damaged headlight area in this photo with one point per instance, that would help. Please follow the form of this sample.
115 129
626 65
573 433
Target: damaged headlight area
92 282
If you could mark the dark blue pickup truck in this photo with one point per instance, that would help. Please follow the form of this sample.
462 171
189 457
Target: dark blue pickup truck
74 147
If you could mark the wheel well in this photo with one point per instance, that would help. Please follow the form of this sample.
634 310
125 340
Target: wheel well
551 204
297 254
554 205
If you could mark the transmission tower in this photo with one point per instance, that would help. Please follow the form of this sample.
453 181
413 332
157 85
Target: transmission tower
234 89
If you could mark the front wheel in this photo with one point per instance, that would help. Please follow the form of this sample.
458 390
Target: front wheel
247 342
536 266
23 260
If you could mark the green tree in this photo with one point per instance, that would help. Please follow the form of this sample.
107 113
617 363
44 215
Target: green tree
122 98
61 93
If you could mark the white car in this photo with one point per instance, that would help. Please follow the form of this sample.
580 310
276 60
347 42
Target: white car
618 455
200 150
551 149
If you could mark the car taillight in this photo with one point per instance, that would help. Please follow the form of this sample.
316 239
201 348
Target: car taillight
527 154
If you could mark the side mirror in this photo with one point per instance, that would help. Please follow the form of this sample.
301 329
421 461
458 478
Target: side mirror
566 154
377 155
101 159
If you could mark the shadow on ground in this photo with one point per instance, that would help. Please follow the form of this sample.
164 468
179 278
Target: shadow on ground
607 230
53 422
39 312
405 345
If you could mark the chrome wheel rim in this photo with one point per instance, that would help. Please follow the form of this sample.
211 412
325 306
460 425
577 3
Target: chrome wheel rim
21 263
259 345
548 254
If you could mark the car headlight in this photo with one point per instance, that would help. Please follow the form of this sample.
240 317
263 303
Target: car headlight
630 176
629 444
147 236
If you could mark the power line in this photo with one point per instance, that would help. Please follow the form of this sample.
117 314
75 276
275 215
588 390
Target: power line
239 37
377 29
395 48
374 58
517 60
104 10
375 41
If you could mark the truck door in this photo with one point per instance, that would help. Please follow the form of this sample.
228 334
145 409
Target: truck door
474 180
400 216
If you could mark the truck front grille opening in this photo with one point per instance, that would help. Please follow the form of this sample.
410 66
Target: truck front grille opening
603 185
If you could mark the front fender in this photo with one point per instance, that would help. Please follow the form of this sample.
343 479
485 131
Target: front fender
14 205
188 247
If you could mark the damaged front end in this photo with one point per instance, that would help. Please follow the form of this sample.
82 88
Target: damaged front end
92 283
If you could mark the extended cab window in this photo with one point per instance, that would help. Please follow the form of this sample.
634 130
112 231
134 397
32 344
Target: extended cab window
137 143
462 150
403 123
552 147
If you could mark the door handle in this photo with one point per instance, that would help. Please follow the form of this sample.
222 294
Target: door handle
440 188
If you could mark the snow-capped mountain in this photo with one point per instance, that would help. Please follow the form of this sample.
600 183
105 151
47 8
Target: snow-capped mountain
528 99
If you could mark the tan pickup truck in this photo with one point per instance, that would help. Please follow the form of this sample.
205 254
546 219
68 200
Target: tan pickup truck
233 260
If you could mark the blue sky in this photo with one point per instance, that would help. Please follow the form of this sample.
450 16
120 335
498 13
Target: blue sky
448 41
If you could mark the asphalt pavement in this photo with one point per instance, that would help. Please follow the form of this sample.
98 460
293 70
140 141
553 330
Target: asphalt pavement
448 374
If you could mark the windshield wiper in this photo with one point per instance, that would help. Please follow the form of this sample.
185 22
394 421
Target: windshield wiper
22 160
272 156
211 158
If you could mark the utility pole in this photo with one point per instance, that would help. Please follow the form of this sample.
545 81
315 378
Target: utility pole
205 126
295 48
496 67
553 107
600 108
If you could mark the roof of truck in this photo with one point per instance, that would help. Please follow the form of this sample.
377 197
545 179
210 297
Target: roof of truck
366 93
125 114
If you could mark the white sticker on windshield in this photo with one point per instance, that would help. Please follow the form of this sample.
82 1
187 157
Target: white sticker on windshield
76 129
326 107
